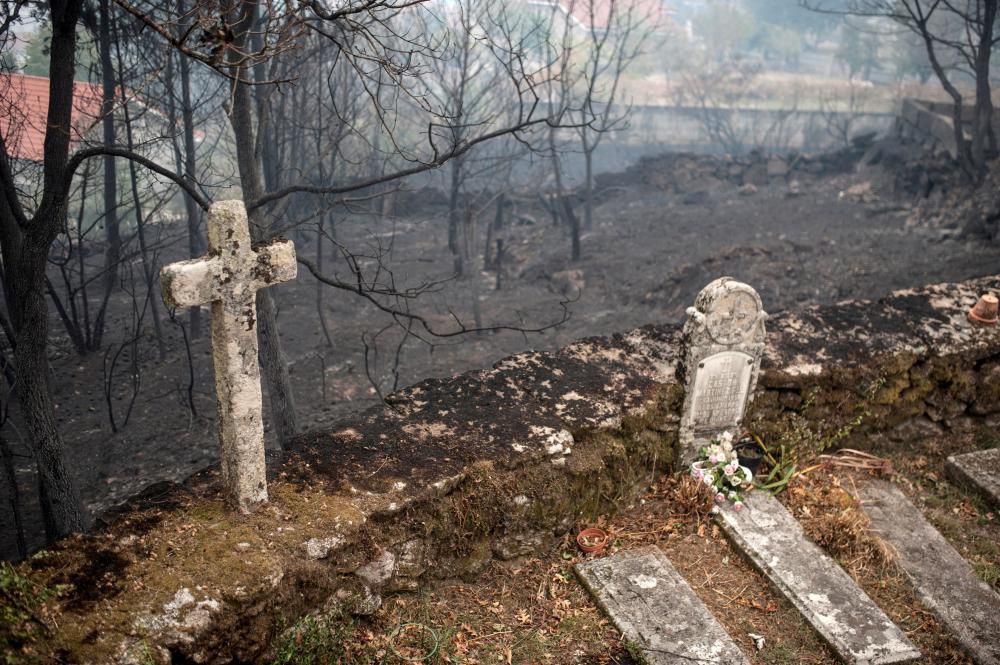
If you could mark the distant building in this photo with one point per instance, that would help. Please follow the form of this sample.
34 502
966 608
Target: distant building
24 105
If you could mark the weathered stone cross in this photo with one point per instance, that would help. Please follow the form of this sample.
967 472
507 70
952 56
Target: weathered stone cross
229 277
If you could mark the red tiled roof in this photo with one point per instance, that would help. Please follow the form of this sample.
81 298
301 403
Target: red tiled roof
24 107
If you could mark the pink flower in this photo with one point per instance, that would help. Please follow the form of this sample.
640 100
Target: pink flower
713 459
720 497
738 506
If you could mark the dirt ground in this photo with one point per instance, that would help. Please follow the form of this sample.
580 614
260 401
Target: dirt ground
650 250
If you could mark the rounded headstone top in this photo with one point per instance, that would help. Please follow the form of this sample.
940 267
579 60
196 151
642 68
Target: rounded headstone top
729 311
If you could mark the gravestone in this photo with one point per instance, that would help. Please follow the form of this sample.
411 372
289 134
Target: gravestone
229 277
724 338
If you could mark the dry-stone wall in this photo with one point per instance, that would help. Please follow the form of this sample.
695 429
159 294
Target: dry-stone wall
495 463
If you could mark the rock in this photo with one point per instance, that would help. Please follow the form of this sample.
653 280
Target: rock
747 190
378 571
320 548
411 559
357 599
510 546
776 168
861 192
987 397
756 175
568 282
699 197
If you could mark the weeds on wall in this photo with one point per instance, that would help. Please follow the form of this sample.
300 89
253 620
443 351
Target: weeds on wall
801 439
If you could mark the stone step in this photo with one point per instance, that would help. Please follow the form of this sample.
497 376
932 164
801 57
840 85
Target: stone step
854 626
980 471
942 578
655 609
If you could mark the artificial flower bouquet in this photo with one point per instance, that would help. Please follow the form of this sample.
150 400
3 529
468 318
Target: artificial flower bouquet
719 467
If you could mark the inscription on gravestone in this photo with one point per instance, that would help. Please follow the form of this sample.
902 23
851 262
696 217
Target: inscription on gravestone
720 389
724 338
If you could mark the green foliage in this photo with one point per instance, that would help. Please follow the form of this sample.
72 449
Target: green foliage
780 42
20 622
909 55
37 53
858 51
635 651
314 640
804 438
792 16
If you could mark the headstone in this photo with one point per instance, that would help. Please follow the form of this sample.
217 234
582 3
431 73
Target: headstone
724 338
656 609
229 277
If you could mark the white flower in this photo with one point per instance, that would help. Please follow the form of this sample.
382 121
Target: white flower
726 437
731 469
709 478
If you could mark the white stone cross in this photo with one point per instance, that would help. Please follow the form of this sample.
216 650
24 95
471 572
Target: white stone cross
229 277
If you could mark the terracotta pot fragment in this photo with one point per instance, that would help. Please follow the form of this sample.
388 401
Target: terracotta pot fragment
985 311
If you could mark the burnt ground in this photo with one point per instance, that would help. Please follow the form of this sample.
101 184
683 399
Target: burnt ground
803 238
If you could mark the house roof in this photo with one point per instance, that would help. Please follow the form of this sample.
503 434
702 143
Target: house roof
24 104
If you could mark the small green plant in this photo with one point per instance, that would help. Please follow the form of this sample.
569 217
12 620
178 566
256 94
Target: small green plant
635 652
21 621
804 440
314 640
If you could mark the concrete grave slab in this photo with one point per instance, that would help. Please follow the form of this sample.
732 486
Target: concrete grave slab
943 579
980 470
652 605
840 611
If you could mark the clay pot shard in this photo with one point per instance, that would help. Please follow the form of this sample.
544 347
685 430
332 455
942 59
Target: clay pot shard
592 540
985 311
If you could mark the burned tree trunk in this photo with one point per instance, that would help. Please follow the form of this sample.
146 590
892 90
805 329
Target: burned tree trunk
274 365
25 243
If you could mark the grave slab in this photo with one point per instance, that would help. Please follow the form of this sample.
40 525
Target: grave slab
840 611
652 605
941 577
978 470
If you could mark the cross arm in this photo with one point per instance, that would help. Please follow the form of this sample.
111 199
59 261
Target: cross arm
275 263
190 283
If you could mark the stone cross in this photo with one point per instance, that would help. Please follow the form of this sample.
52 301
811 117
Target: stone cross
724 338
229 277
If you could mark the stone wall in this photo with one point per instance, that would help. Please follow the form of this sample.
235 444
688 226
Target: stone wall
495 463
930 123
